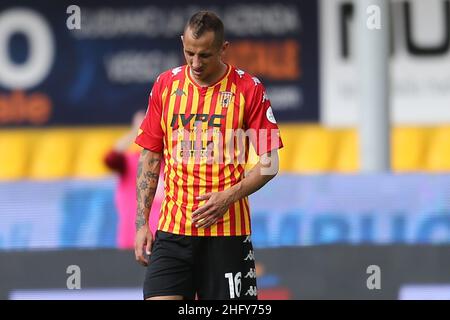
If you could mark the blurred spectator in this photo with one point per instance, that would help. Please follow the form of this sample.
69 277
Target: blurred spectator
123 159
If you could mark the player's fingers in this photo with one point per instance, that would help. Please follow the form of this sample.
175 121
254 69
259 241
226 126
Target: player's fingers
201 210
200 220
212 219
142 259
209 223
136 250
148 247
139 254
205 196
206 221
200 216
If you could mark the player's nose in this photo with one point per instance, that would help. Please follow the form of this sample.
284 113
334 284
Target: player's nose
196 62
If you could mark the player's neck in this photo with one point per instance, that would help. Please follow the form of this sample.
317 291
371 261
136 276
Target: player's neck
213 78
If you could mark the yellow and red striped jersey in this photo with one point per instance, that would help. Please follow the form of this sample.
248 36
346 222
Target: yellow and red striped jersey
204 134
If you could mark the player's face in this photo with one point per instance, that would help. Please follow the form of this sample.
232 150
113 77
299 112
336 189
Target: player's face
203 55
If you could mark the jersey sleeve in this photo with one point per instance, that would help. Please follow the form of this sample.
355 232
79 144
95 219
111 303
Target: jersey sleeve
151 135
264 133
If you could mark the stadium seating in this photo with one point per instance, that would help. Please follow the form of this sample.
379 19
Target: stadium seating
93 147
289 134
408 148
347 154
52 156
13 155
78 152
438 155
314 150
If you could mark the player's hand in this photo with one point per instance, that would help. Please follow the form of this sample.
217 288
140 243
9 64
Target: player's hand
143 241
215 207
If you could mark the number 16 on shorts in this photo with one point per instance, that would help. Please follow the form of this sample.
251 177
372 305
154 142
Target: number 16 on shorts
234 284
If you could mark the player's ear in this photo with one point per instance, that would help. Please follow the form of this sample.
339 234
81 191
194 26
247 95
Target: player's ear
224 46
182 38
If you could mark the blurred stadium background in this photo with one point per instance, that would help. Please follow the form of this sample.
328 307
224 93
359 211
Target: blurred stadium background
67 95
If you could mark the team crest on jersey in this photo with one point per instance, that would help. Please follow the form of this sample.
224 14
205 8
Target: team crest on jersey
225 98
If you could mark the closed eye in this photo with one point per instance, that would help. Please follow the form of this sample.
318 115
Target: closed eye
201 55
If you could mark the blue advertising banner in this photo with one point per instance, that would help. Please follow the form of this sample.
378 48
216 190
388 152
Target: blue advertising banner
359 209
95 62
316 210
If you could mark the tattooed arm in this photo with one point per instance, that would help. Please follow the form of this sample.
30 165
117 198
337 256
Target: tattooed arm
146 184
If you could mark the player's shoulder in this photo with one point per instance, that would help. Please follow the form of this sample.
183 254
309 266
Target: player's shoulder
245 79
170 75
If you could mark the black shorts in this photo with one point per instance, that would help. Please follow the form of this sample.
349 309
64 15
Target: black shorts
212 268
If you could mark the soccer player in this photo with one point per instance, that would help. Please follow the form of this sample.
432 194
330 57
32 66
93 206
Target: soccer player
195 119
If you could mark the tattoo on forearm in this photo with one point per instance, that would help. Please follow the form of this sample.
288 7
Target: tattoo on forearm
151 175
143 154
143 185
152 161
146 184
140 219
148 201
139 198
